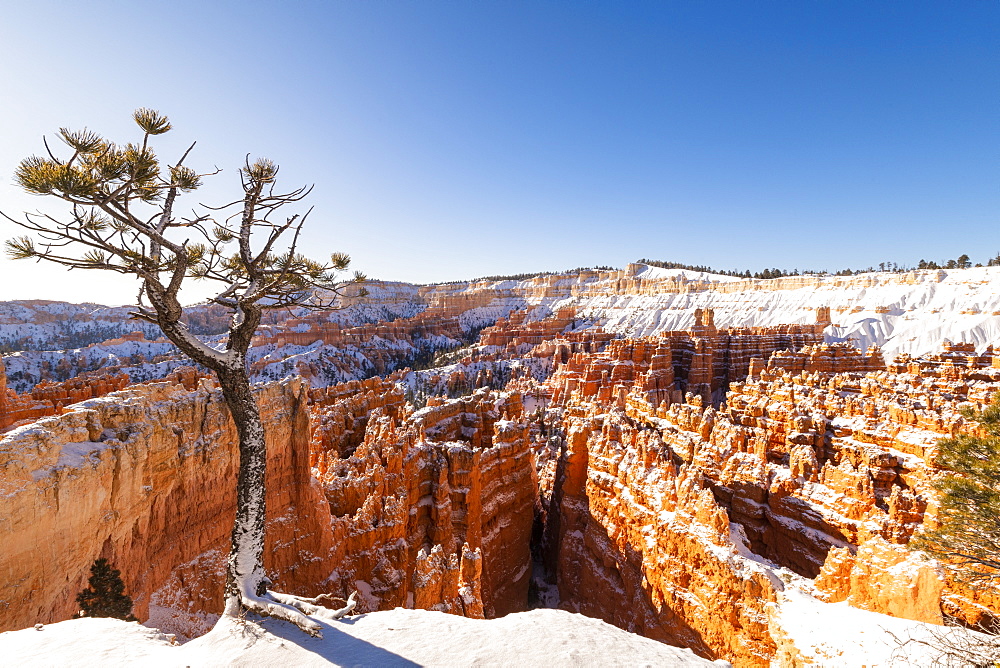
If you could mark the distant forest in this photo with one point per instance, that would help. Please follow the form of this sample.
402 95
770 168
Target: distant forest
524 277
961 262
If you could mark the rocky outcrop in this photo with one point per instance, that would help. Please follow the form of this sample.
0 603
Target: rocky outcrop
430 509
664 506
340 414
823 358
642 544
701 361
80 388
516 330
49 398
443 321
433 508
665 481
18 409
883 577
146 477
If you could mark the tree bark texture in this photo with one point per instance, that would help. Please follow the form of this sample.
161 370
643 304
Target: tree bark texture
245 577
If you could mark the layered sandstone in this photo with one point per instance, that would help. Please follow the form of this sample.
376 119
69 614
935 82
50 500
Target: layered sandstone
49 398
700 361
442 314
902 312
641 543
17 409
145 477
345 348
669 478
80 388
432 508
821 462
516 330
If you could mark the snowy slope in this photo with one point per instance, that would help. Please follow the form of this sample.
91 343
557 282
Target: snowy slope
912 312
904 313
394 638
660 273
833 635
25 369
47 325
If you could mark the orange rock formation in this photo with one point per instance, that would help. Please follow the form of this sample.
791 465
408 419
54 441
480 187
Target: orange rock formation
146 478
653 476
441 318
49 398
431 509
819 463
423 502
15 409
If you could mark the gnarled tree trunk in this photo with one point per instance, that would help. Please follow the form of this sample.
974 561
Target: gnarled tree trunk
244 567
246 584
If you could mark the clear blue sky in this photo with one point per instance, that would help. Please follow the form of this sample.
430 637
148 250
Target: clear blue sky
450 140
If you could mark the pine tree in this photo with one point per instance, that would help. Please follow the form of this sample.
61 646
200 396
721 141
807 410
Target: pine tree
105 595
967 538
124 216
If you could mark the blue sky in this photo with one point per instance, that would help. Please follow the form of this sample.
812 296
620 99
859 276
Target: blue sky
450 140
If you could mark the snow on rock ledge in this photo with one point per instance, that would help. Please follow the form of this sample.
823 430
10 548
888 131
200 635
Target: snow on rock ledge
911 312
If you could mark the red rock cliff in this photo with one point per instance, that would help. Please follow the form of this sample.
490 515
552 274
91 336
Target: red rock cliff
662 510
425 502
146 478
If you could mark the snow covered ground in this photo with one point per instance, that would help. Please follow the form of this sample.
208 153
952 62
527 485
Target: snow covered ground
904 313
24 369
397 638
835 635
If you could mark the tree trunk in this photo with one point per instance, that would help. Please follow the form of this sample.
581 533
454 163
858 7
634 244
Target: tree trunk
245 577
247 588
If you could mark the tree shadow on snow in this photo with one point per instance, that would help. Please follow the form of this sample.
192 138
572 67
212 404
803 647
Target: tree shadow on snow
338 647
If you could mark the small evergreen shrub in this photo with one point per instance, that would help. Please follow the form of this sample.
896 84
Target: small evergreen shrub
105 595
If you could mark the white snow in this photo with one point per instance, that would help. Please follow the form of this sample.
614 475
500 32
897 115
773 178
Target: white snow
904 313
682 275
833 635
397 638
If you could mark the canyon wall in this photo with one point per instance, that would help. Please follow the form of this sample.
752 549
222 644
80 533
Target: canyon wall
673 517
145 477
428 509
911 312
400 324
49 398
676 484
432 508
